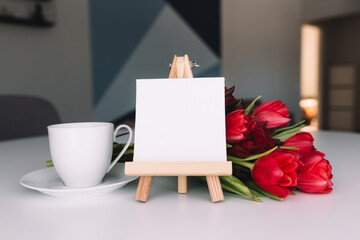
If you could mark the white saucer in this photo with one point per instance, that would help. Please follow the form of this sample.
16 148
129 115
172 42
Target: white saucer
47 181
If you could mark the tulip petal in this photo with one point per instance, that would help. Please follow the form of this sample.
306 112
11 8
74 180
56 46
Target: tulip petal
282 109
315 176
234 138
286 181
289 180
276 190
312 158
277 172
238 126
303 141
311 183
288 161
272 118
267 105
267 171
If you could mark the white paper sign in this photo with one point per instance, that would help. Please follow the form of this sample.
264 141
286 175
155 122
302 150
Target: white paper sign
180 120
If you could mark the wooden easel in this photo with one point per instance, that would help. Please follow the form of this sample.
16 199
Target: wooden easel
180 68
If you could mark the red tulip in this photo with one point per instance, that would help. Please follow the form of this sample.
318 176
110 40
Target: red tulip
315 175
258 141
303 141
274 113
238 126
277 172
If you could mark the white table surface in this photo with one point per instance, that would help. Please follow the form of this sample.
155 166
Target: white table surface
28 214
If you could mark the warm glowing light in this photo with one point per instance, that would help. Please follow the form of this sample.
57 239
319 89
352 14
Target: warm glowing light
310 61
310 107
310 74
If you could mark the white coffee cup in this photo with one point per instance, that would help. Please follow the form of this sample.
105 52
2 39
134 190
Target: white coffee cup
81 152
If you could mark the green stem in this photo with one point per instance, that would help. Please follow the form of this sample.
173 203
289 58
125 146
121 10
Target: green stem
246 164
288 148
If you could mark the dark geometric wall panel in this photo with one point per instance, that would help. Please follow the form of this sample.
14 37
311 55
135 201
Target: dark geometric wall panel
204 18
116 29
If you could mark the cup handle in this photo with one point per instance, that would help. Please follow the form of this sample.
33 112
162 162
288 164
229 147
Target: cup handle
126 145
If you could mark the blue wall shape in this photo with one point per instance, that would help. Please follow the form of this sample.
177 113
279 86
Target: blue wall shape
204 18
116 28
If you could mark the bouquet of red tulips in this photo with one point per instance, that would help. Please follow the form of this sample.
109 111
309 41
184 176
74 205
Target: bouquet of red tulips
270 158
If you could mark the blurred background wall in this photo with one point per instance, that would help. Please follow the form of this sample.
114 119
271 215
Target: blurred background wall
313 10
261 49
86 65
53 63
138 39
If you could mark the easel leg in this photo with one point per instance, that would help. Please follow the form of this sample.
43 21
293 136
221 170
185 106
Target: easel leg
143 189
182 184
215 189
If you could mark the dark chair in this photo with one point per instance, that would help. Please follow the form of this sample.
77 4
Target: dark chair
25 116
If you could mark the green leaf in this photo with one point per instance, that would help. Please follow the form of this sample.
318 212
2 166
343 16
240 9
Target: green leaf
49 163
252 185
283 136
253 157
254 197
248 109
290 127
233 184
257 194
228 145
238 104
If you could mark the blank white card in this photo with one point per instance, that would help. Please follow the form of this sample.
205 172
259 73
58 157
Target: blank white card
180 120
